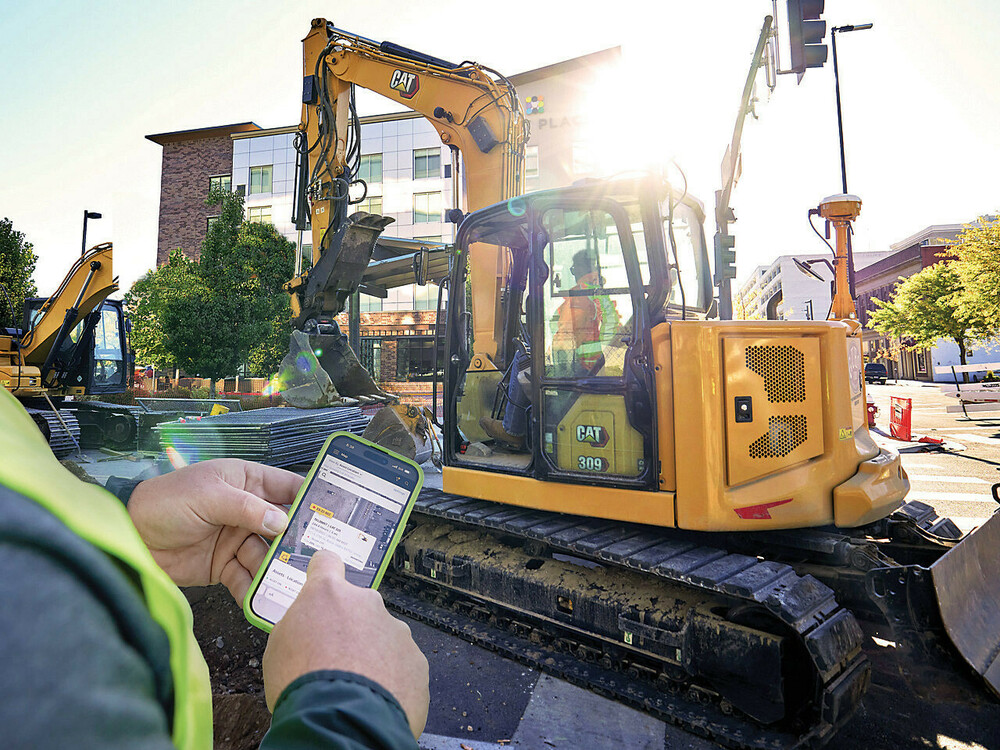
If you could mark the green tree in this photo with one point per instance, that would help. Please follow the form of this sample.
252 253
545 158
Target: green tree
927 307
17 266
226 309
977 249
145 303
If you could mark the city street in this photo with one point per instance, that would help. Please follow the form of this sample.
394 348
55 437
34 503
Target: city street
957 479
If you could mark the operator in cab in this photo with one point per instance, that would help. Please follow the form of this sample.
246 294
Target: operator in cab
96 639
583 325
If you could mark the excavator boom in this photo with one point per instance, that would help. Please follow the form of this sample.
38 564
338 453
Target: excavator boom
475 112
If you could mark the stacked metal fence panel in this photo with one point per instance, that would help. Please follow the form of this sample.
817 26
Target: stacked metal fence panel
278 436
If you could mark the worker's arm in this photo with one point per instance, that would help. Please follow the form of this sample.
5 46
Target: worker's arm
203 523
337 626
84 665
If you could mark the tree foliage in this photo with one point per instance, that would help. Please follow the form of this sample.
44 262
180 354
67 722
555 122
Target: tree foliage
927 307
17 267
145 303
226 309
977 249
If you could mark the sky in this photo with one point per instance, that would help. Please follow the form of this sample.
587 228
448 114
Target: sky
82 84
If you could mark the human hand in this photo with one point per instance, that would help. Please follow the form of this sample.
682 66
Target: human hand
201 522
333 624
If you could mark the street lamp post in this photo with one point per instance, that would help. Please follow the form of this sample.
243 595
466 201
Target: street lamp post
87 215
836 79
840 128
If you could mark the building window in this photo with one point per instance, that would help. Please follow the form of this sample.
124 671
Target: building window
426 297
426 208
530 161
415 358
370 356
260 179
222 182
371 205
921 362
259 214
426 163
399 298
370 303
210 222
371 168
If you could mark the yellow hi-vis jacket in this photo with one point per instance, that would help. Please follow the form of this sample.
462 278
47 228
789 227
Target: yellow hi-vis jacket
28 467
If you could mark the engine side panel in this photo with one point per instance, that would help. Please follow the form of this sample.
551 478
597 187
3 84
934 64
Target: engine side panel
778 468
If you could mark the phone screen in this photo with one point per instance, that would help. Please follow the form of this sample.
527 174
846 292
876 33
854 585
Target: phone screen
352 506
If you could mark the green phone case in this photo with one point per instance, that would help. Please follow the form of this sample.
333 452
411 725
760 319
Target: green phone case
267 626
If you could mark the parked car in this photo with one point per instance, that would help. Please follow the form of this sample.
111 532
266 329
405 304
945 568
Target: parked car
875 372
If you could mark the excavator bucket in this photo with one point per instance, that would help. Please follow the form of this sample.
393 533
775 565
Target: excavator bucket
348 375
321 369
403 429
301 379
967 583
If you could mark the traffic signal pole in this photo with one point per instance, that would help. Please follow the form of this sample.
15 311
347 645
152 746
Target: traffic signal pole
725 255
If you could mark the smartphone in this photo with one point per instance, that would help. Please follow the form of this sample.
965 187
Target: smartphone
355 501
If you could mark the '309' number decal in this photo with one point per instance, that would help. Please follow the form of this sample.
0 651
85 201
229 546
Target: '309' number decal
592 463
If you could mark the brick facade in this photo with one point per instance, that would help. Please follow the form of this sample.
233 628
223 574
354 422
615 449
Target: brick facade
189 158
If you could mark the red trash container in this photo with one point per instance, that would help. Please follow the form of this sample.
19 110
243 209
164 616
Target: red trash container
899 420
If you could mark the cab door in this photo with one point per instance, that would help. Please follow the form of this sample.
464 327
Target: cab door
593 390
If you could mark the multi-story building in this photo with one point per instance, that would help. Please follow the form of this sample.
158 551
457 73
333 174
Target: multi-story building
407 171
790 290
879 281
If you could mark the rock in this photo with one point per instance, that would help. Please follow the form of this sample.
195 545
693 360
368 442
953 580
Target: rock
219 643
478 449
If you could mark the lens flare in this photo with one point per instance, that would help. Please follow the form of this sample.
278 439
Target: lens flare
516 206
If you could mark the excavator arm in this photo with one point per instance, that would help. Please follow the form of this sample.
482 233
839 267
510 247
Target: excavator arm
477 114
47 345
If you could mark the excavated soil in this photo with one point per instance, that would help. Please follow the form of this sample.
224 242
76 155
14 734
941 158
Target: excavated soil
233 649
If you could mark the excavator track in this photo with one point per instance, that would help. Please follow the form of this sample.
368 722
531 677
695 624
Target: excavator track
742 650
62 431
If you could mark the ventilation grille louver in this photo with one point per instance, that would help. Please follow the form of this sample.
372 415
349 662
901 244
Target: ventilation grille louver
783 369
784 434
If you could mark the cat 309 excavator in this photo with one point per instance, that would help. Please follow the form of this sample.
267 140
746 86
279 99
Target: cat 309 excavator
71 344
696 513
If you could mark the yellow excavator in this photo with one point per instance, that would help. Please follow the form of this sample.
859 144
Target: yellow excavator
684 513
72 344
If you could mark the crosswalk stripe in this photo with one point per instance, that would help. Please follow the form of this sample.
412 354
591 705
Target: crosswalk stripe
945 479
962 429
967 523
959 497
976 439
440 742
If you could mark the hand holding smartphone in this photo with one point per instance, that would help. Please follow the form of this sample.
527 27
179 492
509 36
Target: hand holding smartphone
355 502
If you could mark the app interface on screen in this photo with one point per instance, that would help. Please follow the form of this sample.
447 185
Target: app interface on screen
352 507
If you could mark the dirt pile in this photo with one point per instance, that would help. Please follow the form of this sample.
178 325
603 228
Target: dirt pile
233 649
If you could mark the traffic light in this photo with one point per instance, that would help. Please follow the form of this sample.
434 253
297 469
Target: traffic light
805 34
725 257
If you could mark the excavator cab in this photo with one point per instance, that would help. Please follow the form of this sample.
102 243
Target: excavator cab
94 356
564 352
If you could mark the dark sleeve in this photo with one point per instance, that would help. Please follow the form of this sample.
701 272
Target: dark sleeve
329 710
121 487
68 676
